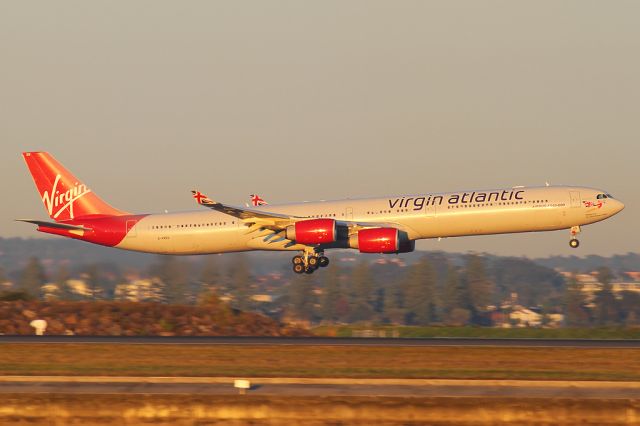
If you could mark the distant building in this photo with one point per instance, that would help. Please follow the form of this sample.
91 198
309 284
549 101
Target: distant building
524 317
586 278
589 284
262 298
590 289
511 314
633 275
79 287
50 291
554 320
140 290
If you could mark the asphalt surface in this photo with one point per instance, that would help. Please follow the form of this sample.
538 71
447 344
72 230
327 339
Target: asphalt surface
324 341
450 389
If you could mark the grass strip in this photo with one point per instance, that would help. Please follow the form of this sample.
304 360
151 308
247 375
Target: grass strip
325 361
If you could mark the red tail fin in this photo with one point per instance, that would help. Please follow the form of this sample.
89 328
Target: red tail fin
64 196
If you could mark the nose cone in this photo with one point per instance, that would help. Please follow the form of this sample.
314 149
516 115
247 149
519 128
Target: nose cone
617 207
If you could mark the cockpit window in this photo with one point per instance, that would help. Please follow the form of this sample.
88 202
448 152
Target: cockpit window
608 195
600 196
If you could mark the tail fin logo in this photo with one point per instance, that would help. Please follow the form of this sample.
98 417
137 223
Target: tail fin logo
60 201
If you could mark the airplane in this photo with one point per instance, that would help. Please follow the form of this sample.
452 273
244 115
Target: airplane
371 225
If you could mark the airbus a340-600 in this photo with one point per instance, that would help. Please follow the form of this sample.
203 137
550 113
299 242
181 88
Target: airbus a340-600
373 225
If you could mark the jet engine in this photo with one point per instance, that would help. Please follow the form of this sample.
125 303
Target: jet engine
313 231
381 240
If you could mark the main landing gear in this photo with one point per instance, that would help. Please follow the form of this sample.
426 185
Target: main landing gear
309 261
573 242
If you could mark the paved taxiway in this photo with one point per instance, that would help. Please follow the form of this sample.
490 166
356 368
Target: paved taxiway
323 387
324 341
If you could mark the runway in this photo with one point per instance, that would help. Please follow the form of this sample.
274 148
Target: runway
323 387
325 341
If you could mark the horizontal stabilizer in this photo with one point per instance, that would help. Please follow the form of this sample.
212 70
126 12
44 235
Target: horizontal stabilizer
56 225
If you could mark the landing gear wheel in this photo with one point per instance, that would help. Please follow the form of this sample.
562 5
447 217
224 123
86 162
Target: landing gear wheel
298 260
314 262
324 261
298 268
309 270
574 243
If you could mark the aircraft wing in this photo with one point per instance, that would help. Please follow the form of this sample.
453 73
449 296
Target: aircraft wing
258 220
239 212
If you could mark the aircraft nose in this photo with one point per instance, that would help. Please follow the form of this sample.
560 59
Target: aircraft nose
617 206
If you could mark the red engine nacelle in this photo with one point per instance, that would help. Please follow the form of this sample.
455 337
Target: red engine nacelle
313 231
378 240
382 240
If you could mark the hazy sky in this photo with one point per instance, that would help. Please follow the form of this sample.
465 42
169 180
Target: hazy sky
300 100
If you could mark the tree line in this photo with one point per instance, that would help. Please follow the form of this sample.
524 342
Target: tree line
436 289
427 292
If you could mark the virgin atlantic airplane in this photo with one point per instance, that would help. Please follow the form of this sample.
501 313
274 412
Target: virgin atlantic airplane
373 225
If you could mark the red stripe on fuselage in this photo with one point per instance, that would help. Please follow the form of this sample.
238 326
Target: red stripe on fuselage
104 230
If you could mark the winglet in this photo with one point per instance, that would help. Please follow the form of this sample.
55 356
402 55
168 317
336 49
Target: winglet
202 199
257 200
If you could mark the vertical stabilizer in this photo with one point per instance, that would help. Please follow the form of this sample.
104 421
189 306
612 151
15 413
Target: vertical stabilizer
64 196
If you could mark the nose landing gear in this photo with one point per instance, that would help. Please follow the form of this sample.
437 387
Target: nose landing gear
573 242
309 261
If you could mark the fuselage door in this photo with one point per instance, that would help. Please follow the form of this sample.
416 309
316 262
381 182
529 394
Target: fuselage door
348 213
575 198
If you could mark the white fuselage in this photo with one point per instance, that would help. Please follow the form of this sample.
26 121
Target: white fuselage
421 216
